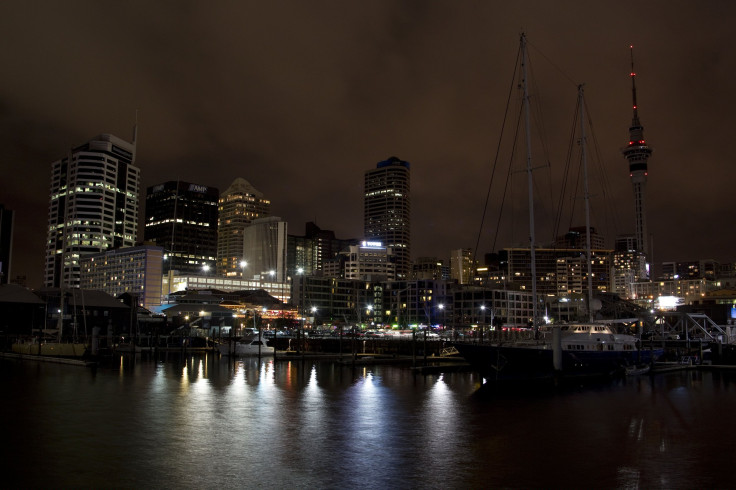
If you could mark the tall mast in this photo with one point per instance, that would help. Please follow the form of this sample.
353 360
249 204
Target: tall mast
586 194
530 181
637 153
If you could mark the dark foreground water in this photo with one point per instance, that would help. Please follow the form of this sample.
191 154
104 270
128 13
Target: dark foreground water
204 422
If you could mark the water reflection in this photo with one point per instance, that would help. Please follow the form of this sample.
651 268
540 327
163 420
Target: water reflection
201 421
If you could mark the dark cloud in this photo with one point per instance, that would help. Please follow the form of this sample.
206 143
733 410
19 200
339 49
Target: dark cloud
300 98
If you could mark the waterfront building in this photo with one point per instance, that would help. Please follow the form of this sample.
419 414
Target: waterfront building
133 270
177 283
181 217
93 206
637 153
264 248
6 243
387 210
238 206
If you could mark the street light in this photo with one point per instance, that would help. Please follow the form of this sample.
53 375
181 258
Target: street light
483 320
205 268
243 265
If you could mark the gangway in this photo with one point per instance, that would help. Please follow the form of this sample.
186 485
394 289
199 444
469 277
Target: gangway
690 326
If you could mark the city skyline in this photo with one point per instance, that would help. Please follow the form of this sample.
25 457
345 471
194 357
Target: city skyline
300 101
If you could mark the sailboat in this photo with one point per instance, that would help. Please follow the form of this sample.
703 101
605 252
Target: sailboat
570 350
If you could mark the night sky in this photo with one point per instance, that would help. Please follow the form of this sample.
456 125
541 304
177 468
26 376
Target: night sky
300 98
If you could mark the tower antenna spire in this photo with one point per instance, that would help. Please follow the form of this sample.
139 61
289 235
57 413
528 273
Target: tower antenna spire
633 88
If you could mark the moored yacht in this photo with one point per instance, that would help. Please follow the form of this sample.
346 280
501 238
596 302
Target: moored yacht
570 350
245 347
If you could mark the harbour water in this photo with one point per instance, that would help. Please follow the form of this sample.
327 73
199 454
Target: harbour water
207 422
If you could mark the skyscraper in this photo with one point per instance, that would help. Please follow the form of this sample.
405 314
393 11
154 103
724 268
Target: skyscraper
93 205
264 248
181 217
387 210
6 243
237 207
637 153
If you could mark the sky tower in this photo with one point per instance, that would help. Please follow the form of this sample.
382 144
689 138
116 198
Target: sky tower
637 153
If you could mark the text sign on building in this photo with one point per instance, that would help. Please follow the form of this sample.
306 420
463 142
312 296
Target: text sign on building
367 244
197 188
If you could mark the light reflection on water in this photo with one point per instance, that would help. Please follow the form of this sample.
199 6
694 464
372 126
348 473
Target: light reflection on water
205 422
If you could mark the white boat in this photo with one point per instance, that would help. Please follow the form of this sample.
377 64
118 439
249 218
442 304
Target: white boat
246 347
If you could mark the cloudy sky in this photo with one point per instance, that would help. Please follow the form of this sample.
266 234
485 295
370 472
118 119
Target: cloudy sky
300 98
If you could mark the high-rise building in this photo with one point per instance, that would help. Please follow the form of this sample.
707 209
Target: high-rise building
264 248
238 206
93 206
181 217
462 265
307 254
628 266
429 268
637 153
387 210
6 243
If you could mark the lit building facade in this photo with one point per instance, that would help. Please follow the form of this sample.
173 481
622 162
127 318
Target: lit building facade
387 210
370 261
133 270
93 206
181 217
560 272
407 304
646 293
694 269
238 206
177 283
